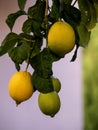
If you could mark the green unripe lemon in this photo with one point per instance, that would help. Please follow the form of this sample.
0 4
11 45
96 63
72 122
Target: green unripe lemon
49 103
56 84
61 38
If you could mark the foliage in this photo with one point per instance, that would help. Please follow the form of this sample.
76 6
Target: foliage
27 46
90 82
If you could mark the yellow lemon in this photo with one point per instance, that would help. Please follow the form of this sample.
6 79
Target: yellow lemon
20 86
49 103
61 38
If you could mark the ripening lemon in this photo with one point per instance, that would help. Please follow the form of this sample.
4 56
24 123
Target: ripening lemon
61 38
49 103
20 86
56 84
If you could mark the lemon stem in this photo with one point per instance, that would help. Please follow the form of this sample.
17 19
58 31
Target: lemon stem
27 66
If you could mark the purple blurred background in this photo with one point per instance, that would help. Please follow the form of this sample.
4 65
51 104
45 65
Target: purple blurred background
27 115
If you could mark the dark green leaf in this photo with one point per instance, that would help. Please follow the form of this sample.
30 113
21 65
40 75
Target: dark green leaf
27 37
93 17
91 1
17 66
43 85
36 28
21 4
71 15
37 46
12 18
68 2
55 10
42 64
34 42
75 53
84 8
20 53
96 1
37 12
96 7
53 56
27 26
8 43
88 11
88 21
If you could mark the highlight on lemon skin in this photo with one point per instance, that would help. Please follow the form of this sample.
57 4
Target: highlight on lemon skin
20 86
61 38
49 103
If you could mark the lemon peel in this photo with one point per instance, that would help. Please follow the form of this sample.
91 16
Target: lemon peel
61 38
49 103
20 86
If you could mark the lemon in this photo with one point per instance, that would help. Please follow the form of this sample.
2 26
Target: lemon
56 84
49 103
20 86
61 38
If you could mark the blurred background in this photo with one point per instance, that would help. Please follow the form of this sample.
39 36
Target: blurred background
27 115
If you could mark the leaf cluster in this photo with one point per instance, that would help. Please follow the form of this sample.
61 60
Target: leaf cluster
27 46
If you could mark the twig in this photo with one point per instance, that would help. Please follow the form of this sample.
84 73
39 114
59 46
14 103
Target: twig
74 3
46 10
27 65
46 19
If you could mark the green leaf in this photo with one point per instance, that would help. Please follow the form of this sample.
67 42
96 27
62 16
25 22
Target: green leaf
27 37
21 4
37 12
42 63
96 1
93 18
68 2
17 66
84 8
36 28
8 43
89 16
72 15
12 18
90 81
96 7
41 84
20 53
27 25
88 21
55 10
84 35
37 46
34 42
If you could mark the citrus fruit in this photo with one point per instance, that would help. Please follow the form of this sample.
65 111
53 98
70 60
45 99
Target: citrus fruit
56 84
20 86
49 103
61 38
